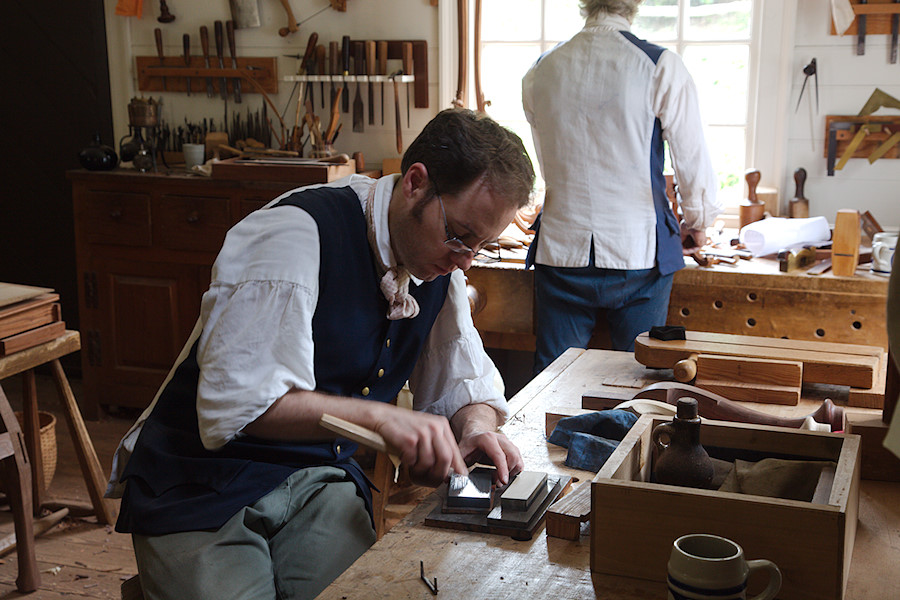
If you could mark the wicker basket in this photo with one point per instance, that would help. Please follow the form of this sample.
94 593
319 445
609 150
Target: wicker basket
47 424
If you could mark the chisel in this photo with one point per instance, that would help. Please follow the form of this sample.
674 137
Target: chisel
307 63
407 70
220 53
334 65
320 67
370 71
204 44
345 69
382 51
397 120
159 51
186 42
359 68
895 29
861 32
232 48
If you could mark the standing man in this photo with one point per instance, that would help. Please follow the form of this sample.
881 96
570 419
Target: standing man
325 301
600 107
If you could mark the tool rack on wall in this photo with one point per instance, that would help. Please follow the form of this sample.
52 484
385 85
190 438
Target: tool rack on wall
150 70
878 130
878 17
419 75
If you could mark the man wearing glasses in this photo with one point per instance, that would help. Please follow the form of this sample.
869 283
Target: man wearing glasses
325 301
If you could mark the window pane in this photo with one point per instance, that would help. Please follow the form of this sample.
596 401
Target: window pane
562 20
502 69
721 75
510 20
726 148
718 20
657 20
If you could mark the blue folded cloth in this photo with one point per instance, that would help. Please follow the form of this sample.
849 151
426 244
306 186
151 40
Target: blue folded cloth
592 437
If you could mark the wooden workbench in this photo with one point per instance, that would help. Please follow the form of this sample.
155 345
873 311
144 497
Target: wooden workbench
474 565
750 298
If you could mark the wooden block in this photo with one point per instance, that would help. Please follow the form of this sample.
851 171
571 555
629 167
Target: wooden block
837 364
606 397
552 417
845 243
522 491
872 397
752 392
634 521
878 463
28 314
10 293
32 337
565 516
737 369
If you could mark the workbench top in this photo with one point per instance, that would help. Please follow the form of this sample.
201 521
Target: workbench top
474 565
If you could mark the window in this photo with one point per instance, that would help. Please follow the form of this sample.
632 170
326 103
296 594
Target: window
719 41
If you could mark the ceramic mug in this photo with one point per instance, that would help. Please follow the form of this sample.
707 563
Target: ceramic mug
707 567
883 245
194 154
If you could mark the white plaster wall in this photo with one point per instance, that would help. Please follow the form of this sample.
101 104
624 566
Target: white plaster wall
365 19
845 83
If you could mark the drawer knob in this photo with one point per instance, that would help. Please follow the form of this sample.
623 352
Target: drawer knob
193 217
115 214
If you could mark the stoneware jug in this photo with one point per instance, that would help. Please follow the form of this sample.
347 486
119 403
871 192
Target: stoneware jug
98 156
709 567
682 461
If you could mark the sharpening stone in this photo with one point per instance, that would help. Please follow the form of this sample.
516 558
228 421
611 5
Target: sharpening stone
523 490
475 493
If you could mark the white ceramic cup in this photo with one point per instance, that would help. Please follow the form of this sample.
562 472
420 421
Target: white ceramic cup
883 246
707 567
194 154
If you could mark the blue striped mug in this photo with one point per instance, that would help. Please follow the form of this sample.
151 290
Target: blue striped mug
710 567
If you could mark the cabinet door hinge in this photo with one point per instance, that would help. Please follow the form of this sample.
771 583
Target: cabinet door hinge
94 348
90 289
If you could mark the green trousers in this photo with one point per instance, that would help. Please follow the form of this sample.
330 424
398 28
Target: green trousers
289 544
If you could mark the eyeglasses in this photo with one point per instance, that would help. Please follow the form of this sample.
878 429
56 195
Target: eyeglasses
454 243
459 247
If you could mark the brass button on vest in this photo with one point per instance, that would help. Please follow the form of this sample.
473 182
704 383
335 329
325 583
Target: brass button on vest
365 391
381 372
388 343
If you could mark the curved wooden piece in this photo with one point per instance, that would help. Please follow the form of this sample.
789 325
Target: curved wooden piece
481 103
714 406
752 176
462 45
477 299
292 22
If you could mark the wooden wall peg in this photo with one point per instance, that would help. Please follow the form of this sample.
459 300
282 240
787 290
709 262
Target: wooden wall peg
751 209
845 243
799 206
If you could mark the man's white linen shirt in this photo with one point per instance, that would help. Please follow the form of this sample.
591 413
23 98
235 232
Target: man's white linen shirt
592 103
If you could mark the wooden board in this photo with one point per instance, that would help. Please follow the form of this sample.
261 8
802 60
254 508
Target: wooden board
750 370
565 516
752 392
878 463
479 522
10 293
29 314
644 518
32 337
247 170
821 364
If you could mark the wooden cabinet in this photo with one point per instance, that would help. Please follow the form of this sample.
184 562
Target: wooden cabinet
145 245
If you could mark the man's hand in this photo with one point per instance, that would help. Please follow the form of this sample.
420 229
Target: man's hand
691 240
476 427
425 443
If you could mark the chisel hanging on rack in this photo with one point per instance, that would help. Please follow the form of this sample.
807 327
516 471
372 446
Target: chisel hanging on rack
157 33
232 48
204 44
407 70
359 68
382 51
861 32
345 69
370 71
220 54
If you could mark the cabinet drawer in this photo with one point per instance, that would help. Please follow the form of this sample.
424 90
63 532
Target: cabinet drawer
119 218
191 222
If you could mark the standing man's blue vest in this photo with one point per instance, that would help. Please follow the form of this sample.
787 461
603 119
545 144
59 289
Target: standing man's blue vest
175 484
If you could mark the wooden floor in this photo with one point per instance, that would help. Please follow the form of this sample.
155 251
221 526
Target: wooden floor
78 558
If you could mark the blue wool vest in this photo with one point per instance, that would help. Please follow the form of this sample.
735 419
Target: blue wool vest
175 484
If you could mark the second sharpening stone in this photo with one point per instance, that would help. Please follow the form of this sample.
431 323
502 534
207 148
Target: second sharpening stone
523 490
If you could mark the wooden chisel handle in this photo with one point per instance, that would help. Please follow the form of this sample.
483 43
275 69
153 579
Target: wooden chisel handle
397 110
357 433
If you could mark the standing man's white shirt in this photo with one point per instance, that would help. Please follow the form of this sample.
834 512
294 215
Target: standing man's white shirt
602 193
